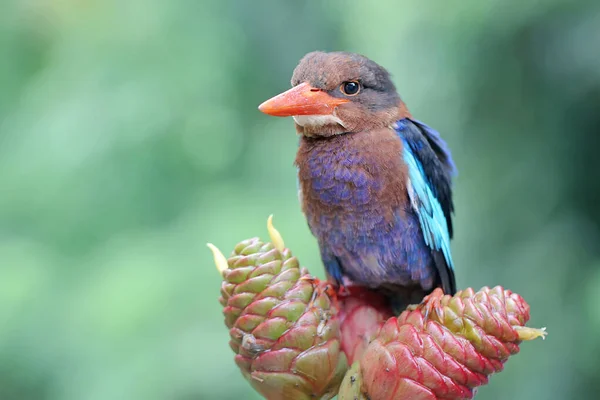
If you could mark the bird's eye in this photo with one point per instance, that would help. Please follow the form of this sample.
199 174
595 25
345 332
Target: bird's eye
350 88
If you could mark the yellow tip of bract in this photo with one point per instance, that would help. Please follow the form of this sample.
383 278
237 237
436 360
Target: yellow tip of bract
220 260
276 238
526 333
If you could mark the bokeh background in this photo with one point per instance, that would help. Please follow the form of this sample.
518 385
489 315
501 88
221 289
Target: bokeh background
129 137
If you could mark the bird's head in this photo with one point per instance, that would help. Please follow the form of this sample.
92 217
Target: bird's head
336 93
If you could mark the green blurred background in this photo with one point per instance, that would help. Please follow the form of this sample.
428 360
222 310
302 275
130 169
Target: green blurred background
129 137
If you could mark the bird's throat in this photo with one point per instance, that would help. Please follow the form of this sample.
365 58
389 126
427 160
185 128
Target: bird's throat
317 121
319 125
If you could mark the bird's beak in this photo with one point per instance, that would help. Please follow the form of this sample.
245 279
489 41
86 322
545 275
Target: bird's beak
301 100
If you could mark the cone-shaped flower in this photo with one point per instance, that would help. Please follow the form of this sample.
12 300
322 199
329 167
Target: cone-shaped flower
282 323
443 348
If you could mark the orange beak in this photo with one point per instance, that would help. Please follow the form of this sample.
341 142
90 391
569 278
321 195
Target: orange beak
301 100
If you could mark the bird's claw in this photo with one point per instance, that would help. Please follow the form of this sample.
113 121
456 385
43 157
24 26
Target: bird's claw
323 287
330 290
432 303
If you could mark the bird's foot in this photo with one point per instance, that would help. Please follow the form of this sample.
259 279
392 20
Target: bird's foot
330 290
432 303
323 287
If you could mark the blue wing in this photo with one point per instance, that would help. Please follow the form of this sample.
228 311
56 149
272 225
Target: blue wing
429 176
439 147
438 165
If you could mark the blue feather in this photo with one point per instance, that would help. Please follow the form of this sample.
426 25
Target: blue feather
438 145
431 216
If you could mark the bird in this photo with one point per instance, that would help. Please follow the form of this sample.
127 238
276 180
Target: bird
375 184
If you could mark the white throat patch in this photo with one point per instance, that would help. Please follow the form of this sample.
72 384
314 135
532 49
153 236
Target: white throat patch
317 120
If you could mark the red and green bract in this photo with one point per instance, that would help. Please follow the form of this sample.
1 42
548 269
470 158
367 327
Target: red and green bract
282 324
444 348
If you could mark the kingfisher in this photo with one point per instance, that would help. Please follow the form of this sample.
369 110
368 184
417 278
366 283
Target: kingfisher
375 184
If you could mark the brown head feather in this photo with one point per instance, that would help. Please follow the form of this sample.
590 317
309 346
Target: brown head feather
376 105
